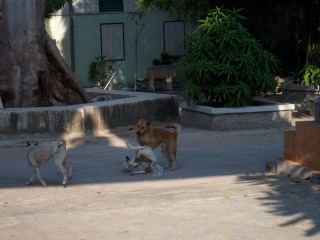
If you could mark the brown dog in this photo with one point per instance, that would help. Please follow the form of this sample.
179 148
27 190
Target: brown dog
154 137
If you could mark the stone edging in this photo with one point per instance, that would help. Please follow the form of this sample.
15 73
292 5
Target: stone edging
94 116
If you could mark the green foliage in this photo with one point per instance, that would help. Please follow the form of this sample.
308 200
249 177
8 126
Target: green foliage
183 9
232 96
310 75
55 5
165 59
100 70
226 62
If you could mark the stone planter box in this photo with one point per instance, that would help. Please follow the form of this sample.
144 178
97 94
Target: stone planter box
264 115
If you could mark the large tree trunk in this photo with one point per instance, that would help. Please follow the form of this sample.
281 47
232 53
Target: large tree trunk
32 71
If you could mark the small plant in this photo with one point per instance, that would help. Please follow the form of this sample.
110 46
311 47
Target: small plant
311 76
100 70
225 62
310 73
165 59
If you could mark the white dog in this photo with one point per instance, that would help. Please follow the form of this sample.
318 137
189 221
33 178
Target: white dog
142 162
40 153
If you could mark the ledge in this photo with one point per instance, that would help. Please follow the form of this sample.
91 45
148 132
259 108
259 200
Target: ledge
268 114
251 109
89 117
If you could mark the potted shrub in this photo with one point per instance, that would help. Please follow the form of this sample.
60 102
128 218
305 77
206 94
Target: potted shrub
224 64
310 74
165 59
100 71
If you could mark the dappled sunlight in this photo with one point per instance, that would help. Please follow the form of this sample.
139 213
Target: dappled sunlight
59 32
98 127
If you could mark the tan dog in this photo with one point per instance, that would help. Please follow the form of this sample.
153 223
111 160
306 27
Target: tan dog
154 137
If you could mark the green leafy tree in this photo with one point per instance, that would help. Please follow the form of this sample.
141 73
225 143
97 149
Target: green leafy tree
55 5
288 28
187 9
224 64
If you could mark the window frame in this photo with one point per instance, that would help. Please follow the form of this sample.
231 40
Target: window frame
123 56
119 10
183 36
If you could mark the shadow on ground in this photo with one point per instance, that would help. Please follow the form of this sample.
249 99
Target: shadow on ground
297 200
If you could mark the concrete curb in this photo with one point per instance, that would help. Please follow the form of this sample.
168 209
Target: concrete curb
91 117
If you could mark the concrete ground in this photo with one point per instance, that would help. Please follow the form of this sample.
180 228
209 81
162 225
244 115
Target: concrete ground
219 191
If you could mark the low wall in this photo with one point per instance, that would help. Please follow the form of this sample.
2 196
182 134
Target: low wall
95 116
253 117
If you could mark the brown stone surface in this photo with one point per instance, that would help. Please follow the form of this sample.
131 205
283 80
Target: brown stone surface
302 145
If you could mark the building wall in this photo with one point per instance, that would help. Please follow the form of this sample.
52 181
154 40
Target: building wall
58 29
87 42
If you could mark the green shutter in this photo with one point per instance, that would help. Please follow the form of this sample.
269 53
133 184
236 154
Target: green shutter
110 5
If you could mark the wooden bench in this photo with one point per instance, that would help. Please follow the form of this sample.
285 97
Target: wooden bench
163 73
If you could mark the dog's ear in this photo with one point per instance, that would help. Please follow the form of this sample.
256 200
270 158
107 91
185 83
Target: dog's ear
62 143
28 143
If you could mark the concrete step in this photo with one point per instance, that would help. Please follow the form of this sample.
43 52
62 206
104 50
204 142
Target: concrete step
302 146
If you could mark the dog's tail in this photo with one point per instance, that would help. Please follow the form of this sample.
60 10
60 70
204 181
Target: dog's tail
176 126
133 147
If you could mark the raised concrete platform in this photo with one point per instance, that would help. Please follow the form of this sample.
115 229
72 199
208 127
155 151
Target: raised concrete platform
266 115
95 116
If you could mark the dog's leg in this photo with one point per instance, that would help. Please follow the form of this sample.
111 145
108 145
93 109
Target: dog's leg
68 168
32 178
172 154
59 159
64 171
165 152
69 173
37 173
173 162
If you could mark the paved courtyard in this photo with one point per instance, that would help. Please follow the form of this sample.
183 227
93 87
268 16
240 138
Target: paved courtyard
219 191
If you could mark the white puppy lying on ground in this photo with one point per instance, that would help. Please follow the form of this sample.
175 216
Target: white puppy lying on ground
40 153
142 162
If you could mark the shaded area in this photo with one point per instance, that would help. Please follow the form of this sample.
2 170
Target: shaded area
298 201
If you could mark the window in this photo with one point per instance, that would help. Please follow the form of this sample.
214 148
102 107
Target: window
96 6
110 5
173 38
112 43
130 5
